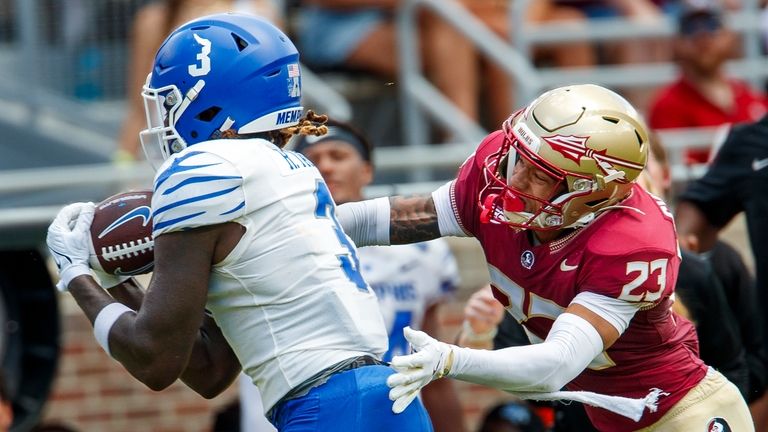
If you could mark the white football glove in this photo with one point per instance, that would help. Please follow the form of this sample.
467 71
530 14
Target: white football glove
68 241
107 280
431 360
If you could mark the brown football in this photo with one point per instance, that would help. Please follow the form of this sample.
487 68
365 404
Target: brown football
121 234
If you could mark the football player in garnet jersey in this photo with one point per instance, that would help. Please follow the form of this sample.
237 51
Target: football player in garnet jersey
580 255
246 231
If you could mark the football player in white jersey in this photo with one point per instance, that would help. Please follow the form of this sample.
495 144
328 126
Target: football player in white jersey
247 232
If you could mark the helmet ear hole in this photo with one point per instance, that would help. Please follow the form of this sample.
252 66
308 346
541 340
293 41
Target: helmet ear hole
639 138
240 42
209 114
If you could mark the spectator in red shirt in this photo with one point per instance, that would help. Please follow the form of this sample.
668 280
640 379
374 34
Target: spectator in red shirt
704 94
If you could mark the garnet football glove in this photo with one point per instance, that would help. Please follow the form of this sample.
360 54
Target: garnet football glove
431 360
68 241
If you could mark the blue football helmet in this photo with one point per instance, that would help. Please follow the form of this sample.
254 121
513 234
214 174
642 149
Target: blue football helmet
219 72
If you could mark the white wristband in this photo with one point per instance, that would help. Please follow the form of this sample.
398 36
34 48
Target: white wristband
104 322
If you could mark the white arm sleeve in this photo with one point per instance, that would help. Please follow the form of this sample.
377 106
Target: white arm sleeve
617 312
571 345
446 218
366 222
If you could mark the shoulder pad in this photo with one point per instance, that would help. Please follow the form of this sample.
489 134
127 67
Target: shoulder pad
196 189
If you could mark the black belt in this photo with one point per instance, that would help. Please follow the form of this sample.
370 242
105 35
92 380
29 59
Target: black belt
322 377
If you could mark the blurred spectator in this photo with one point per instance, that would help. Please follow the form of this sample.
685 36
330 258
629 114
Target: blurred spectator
151 25
735 182
497 85
715 291
704 94
6 405
513 416
361 35
632 50
701 299
741 296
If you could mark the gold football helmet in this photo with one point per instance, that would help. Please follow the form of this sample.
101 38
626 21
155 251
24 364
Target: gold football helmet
586 137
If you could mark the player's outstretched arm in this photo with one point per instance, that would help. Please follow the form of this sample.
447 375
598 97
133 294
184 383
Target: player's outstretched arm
413 219
392 220
575 339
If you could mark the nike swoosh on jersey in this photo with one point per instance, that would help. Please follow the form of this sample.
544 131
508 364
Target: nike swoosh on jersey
759 164
566 268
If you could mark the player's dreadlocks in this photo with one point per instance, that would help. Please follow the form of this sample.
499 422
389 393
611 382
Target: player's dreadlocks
310 124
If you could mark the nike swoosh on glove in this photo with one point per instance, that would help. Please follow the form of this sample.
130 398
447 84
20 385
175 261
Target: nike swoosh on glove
431 360
68 241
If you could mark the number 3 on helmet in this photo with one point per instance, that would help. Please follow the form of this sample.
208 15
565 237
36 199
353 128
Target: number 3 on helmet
219 72
588 138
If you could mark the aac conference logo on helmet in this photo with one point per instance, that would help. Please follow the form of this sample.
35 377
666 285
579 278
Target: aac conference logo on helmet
718 424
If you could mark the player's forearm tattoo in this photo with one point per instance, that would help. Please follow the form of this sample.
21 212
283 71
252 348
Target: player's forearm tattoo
412 219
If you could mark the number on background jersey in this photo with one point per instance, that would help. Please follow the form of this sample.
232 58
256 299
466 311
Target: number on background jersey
349 262
398 344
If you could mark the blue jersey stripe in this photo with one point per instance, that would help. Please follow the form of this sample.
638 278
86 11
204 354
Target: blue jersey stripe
170 222
193 199
200 179
239 206
176 167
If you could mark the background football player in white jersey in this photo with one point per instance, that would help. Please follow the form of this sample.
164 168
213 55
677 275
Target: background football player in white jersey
246 231
410 281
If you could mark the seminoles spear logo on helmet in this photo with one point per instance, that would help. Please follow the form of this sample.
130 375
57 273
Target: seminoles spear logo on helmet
575 148
586 137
